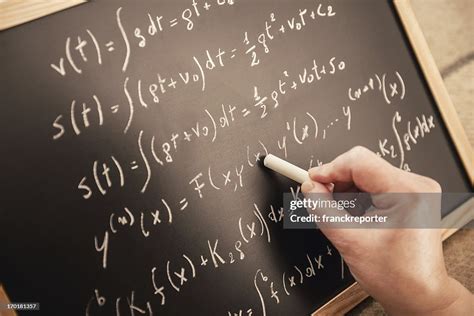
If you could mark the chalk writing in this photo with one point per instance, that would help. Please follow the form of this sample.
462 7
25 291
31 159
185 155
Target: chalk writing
163 132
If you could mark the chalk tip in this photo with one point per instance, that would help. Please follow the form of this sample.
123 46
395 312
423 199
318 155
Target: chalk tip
265 160
261 160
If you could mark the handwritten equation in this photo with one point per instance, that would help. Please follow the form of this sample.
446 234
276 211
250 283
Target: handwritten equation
158 152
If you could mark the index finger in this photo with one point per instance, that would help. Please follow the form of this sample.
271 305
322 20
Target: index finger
362 168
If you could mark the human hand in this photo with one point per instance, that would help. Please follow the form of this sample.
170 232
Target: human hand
402 268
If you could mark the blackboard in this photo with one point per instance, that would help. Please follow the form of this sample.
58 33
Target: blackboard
131 133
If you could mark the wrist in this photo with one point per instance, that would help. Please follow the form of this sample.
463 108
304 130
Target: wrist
461 301
449 299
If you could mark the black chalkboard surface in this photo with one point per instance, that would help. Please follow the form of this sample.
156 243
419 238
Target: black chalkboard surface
131 132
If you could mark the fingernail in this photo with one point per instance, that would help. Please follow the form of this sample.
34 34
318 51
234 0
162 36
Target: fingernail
307 186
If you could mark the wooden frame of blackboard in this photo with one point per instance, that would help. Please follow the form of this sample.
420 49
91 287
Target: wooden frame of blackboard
354 294
14 13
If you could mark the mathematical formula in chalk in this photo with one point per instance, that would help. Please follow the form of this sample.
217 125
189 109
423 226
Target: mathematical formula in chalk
271 95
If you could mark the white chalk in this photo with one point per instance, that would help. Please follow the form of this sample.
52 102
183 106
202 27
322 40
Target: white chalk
285 168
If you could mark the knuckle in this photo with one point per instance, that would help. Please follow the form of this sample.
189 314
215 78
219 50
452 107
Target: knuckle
432 185
358 151
426 184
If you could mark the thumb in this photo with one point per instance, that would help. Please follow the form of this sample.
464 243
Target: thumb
313 190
